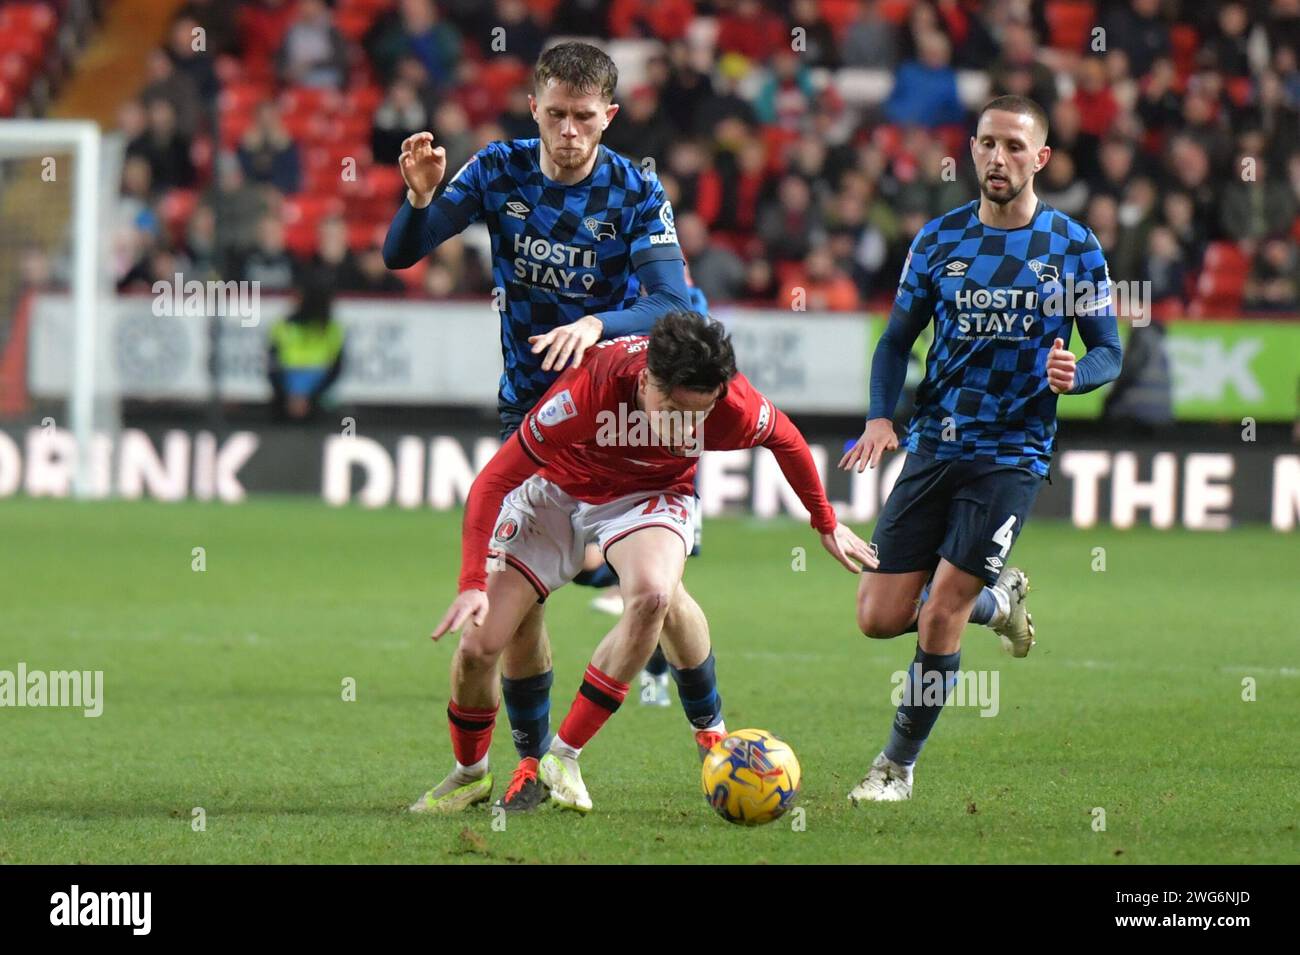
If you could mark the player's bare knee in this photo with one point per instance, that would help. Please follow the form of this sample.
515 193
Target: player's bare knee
878 624
477 655
647 605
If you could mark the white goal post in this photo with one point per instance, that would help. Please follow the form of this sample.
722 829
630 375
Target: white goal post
35 138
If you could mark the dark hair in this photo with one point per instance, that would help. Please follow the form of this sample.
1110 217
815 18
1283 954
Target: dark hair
580 66
692 351
315 303
1018 104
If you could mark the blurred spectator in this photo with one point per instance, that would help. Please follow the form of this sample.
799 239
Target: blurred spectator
639 129
1060 187
760 283
1274 283
164 147
1252 210
869 42
699 186
239 207
158 264
1116 166
521 39
1165 269
819 47
1159 106
332 265
267 154
1178 212
373 277
304 356
718 272
1095 99
166 82
451 127
314 53
134 206
201 244
786 95
752 31
400 115
414 28
467 274
1140 31
788 229
190 56
517 120
1227 48
821 287
650 19
925 89
1017 70
685 90
218 18
269 263
743 173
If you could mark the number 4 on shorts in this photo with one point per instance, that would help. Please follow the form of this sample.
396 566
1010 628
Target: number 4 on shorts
1002 535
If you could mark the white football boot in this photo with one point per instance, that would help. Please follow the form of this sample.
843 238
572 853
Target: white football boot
456 793
1016 629
886 781
564 779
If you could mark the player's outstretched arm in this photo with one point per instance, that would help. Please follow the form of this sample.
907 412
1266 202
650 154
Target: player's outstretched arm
797 464
421 223
666 290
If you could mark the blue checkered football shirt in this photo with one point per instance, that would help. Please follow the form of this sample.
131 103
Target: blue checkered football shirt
559 251
998 298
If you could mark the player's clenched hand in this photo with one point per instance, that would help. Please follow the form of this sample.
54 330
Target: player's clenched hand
875 441
1060 368
422 166
567 341
847 547
468 605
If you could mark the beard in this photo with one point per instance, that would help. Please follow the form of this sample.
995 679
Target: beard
570 158
1002 199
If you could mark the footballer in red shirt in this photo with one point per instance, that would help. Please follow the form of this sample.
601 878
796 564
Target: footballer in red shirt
608 456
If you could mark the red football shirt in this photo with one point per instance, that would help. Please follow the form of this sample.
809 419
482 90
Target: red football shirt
566 439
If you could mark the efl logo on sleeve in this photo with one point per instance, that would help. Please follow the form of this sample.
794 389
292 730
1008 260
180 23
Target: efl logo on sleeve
559 408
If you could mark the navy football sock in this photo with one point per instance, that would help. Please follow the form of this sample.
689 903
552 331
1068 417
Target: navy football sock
698 690
602 576
986 605
658 664
528 707
930 679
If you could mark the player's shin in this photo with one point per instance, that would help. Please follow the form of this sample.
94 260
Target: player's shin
930 679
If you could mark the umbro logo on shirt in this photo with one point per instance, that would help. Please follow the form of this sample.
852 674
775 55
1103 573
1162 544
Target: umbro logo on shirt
956 268
517 209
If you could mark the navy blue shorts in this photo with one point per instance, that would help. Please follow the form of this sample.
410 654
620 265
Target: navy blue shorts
968 513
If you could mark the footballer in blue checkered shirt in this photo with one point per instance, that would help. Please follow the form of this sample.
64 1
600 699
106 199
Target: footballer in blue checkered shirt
585 248
1004 279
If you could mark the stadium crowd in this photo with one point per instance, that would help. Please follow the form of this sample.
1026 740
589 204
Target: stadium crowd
269 153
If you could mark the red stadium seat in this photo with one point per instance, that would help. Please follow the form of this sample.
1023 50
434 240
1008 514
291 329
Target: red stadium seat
309 100
30 46
36 19
176 209
363 100
1226 257
1070 23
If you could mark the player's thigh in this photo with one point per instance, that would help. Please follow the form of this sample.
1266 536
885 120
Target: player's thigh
988 511
511 598
644 537
914 519
534 534
887 602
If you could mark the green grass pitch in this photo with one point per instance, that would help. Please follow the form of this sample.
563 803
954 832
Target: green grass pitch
223 690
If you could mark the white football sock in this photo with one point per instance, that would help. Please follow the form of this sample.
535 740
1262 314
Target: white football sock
470 773
560 748
1003 600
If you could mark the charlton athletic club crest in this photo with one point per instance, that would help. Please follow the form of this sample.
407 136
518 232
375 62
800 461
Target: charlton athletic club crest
506 530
